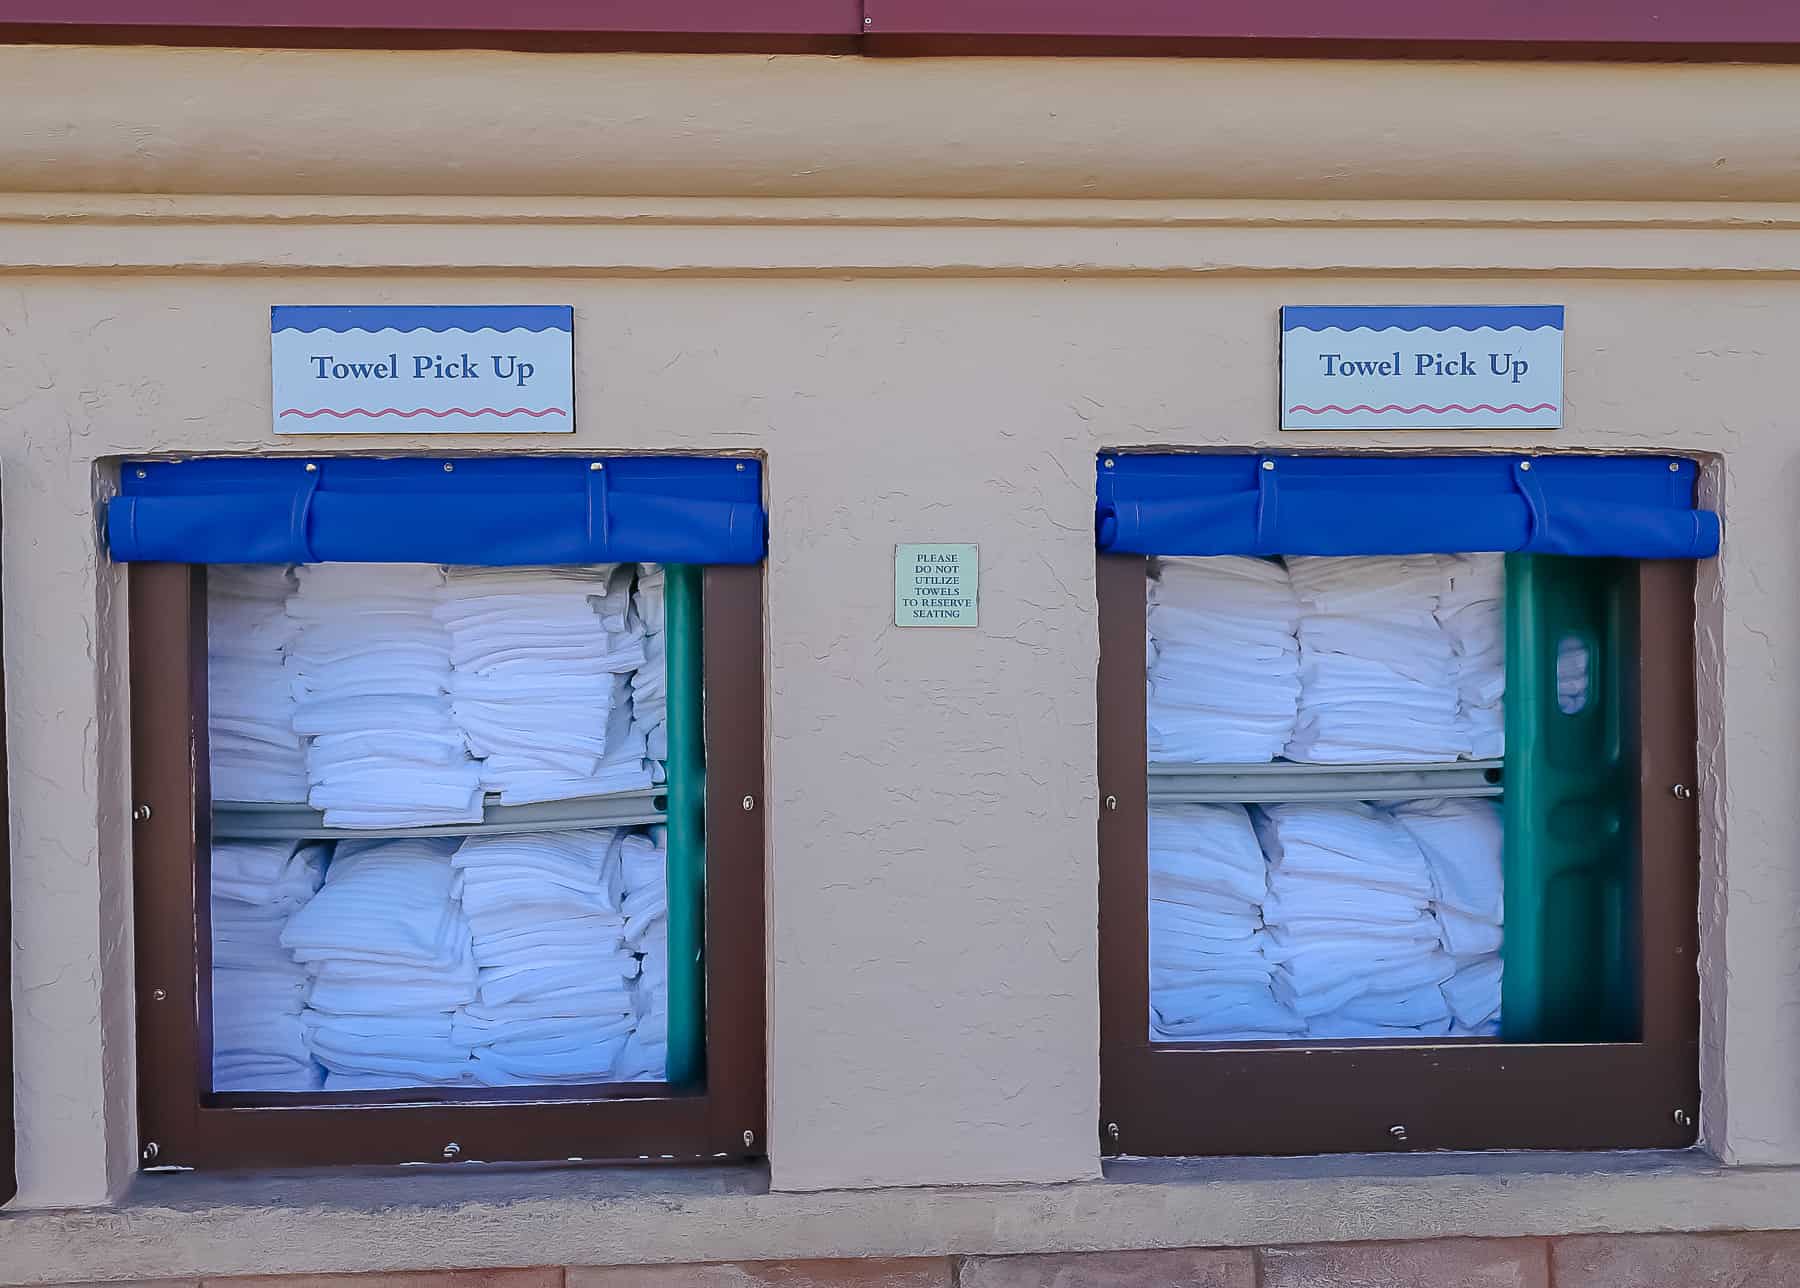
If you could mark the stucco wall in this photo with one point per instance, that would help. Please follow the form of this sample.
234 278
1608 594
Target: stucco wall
933 366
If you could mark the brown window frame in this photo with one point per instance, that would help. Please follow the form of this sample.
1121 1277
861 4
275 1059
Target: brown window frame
1345 1096
9 1175
704 26
1752 30
181 1125
1576 29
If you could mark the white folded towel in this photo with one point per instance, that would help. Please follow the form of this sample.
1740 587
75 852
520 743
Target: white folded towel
382 901
370 673
642 868
1349 842
1209 977
279 874
1222 660
1233 1013
583 1059
1205 848
1350 928
1473 992
1334 986
1466 936
540 685
1378 672
1462 844
1473 613
258 990
499 944
1400 1008
335 1081
375 988
479 1023
392 958
644 1057
643 864
262 1052
558 982
647 598
1366 585
254 753
1338 1026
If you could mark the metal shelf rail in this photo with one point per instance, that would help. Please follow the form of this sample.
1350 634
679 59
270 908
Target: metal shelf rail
242 820
1283 780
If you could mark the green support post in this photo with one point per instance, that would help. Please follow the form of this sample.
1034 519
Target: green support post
1571 845
687 825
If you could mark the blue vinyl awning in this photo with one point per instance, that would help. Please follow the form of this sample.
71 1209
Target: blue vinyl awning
493 510
1640 507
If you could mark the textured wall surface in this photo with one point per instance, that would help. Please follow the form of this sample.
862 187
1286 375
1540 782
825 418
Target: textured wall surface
932 796
930 368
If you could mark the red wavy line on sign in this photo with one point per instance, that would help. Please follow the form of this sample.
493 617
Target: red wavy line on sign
1447 407
421 411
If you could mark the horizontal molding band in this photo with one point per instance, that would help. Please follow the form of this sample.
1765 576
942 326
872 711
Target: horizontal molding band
134 209
445 237
549 125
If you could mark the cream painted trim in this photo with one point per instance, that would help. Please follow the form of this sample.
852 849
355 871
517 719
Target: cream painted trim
489 122
84 233
127 209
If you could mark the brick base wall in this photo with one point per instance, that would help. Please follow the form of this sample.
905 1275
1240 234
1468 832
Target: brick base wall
1746 1260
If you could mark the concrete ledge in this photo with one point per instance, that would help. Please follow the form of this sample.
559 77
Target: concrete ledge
190 1226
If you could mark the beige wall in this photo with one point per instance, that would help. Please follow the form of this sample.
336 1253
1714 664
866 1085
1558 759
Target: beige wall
896 280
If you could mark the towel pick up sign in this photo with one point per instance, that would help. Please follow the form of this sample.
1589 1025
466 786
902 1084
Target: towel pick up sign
434 369
1432 366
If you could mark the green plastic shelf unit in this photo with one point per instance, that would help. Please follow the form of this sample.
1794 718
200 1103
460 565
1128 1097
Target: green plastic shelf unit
1571 783
687 825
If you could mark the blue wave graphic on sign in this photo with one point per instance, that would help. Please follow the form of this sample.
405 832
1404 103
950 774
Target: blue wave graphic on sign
430 317
1423 317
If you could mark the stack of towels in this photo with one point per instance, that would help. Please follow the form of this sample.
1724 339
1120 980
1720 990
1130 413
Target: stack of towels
1224 678
540 683
643 878
371 673
256 755
555 1001
363 689
650 682
1461 842
394 696
1378 674
626 766
1209 977
1327 660
1472 611
258 989
393 961
1368 922
1350 927
522 959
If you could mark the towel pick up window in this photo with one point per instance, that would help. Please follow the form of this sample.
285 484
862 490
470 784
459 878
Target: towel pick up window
1399 847
445 777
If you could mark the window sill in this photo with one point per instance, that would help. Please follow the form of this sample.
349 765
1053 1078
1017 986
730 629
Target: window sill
189 1225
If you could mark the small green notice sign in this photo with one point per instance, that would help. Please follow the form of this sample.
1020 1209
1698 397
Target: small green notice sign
935 585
